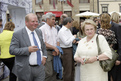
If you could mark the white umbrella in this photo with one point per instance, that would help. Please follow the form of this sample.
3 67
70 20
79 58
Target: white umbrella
87 14
116 12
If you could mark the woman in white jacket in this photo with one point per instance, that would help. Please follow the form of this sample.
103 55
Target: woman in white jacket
87 54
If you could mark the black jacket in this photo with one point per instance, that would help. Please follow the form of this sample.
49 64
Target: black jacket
117 29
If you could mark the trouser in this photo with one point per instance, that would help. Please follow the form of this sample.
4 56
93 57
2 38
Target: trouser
68 64
37 73
50 74
115 73
9 63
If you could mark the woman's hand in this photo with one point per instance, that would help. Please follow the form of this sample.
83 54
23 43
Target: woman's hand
91 60
82 61
79 59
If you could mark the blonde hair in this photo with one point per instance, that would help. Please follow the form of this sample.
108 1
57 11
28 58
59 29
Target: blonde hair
88 22
9 26
115 17
75 24
105 21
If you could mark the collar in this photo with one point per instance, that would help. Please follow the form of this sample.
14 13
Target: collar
29 31
43 22
65 28
48 26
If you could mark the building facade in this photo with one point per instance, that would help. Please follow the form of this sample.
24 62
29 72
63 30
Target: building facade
79 6
107 6
62 6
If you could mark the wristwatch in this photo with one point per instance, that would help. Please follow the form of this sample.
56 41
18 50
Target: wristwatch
97 58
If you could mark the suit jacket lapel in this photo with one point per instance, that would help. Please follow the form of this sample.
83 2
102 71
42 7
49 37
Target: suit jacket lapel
26 37
38 33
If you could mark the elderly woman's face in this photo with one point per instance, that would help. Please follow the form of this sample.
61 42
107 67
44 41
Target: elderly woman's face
89 30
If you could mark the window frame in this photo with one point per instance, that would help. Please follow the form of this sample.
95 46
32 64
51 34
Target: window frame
51 2
38 3
84 2
104 6
119 7
65 1
69 13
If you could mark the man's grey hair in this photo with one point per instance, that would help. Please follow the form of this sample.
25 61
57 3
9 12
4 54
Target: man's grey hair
49 15
66 20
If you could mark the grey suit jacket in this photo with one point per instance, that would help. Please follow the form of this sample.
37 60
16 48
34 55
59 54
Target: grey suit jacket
19 47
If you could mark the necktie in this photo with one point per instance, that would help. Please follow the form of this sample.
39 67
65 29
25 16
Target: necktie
38 52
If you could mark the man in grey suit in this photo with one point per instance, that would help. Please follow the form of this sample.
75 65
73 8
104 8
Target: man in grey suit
26 45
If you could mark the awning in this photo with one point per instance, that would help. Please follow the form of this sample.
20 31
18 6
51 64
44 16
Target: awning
57 13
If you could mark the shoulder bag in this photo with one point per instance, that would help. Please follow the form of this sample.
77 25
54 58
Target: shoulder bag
107 65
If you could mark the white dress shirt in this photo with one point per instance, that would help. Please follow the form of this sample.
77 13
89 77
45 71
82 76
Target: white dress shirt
65 37
33 55
49 34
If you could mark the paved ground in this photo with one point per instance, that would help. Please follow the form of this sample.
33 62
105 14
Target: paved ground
8 80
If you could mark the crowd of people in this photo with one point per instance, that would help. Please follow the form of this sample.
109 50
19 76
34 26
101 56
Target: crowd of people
38 51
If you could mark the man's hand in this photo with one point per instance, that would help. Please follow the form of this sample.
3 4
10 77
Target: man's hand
74 41
54 53
43 60
56 50
80 38
32 48
117 62
75 36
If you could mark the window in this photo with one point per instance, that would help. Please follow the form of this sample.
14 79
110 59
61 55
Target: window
69 13
37 1
65 1
119 7
51 1
39 16
84 1
9 17
104 8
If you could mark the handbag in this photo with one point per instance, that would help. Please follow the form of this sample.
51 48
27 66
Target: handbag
107 65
